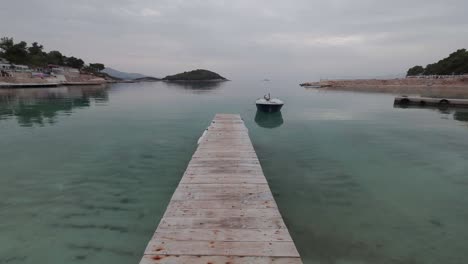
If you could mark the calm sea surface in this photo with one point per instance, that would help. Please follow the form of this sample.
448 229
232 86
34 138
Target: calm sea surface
87 172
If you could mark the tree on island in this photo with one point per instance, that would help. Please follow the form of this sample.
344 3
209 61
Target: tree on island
455 64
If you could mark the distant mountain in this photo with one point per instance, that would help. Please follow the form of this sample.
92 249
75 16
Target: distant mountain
196 75
147 79
123 75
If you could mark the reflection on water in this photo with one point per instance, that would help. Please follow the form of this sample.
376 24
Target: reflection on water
459 114
269 120
196 87
40 106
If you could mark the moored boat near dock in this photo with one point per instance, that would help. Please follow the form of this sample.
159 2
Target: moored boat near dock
268 104
223 210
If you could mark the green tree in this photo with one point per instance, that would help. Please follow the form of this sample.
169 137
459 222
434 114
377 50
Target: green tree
15 53
18 53
37 57
55 57
455 63
35 49
74 62
5 44
97 67
416 70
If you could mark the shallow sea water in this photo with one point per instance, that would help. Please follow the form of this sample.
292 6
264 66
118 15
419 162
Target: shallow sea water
87 172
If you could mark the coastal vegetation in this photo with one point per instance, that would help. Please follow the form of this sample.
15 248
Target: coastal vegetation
34 56
455 64
196 75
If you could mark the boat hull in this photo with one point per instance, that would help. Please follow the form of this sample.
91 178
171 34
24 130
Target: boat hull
269 108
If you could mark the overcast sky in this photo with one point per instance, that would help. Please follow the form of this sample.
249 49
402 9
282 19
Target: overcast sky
245 39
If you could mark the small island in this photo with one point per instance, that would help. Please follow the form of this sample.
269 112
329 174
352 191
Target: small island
196 75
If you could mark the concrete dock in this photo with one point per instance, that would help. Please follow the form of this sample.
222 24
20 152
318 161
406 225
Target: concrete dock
223 210
47 85
429 101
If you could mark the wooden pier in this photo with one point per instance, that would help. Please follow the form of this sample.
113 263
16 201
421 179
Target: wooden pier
223 211
429 101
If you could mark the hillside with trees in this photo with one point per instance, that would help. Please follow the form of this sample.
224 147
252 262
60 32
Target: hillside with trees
455 64
196 75
34 56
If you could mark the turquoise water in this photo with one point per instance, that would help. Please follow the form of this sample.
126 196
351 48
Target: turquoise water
86 172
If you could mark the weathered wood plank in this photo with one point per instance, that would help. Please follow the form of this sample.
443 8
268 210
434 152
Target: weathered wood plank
222 222
222 248
223 188
268 235
183 259
224 170
255 196
223 156
225 162
223 204
215 179
223 210
225 151
218 213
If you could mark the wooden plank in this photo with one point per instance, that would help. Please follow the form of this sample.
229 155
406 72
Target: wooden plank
224 155
255 196
184 259
222 222
225 158
266 235
222 248
224 151
223 210
223 188
215 179
218 213
225 163
224 170
223 204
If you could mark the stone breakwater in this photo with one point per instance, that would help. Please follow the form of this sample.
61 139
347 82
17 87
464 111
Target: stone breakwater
449 86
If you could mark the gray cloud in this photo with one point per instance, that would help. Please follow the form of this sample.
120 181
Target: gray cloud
245 39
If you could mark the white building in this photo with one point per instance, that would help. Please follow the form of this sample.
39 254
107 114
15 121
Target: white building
21 68
5 66
67 71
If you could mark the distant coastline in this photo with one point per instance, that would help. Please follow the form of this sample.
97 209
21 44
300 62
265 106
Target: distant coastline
447 77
